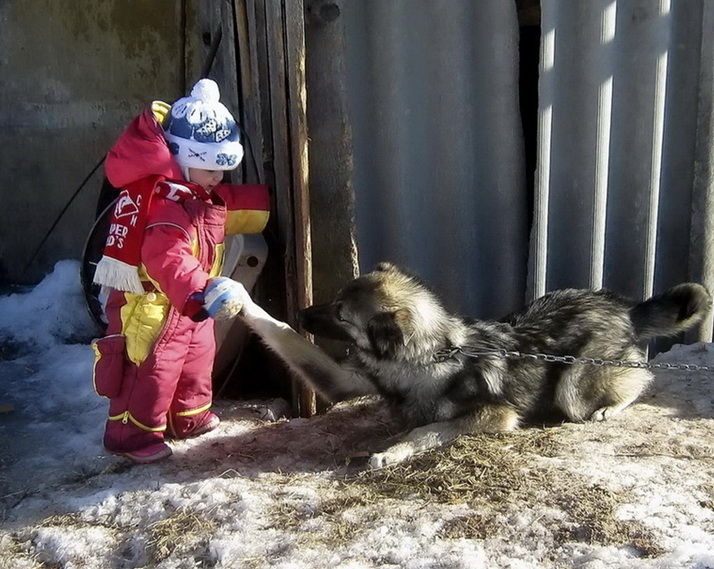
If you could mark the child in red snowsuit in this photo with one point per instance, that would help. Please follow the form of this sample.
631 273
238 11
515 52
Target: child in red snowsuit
162 262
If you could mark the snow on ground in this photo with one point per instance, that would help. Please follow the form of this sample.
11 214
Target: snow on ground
264 491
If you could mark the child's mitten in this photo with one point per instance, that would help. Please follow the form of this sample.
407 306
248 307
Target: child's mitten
224 298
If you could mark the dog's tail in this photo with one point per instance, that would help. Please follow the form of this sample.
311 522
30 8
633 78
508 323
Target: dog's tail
671 312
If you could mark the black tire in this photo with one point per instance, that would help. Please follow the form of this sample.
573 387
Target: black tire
93 250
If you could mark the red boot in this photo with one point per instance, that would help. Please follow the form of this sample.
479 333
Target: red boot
147 455
124 438
185 427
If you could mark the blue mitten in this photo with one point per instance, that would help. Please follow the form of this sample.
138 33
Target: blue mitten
224 298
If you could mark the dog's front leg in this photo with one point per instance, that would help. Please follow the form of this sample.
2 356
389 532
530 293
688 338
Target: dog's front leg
487 419
416 441
313 366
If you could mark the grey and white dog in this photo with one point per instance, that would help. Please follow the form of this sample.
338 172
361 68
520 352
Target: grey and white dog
396 325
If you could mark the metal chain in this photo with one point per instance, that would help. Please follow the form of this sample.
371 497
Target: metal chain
445 354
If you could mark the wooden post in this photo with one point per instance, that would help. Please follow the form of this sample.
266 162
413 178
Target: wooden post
271 51
297 92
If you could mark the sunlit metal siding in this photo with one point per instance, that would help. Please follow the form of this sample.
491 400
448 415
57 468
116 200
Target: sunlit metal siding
619 103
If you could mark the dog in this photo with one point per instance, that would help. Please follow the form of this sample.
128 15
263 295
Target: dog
404 347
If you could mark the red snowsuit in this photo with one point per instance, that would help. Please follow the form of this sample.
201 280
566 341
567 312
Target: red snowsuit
156 360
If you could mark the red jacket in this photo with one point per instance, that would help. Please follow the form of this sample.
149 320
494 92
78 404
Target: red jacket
182 245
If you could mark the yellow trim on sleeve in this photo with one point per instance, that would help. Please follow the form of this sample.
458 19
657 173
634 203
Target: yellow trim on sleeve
246 221
220 253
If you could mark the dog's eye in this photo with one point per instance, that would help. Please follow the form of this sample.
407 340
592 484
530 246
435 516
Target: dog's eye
339 313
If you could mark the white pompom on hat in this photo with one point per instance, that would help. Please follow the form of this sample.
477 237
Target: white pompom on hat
201 132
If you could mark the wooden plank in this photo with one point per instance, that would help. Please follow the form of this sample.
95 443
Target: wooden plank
284 27
297 96
246 41
224 62
331 160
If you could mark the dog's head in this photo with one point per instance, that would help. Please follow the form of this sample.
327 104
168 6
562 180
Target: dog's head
379 312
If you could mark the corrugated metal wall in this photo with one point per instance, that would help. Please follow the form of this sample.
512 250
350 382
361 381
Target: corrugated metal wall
621 102
618 104
438 151
623 181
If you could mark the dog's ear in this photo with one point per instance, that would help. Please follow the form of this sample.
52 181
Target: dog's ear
385 267
385 335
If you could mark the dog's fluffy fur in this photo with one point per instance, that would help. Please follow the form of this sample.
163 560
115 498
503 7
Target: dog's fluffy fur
396 325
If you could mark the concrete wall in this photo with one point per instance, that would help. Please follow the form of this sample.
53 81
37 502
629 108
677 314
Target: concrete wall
72 75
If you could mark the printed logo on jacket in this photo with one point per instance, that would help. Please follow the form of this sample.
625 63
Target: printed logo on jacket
125 216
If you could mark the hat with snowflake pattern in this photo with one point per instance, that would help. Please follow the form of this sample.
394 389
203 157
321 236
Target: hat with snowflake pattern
201 132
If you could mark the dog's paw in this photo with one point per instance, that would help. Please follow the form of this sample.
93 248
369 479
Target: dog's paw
599 415
605 413
380 460
393 455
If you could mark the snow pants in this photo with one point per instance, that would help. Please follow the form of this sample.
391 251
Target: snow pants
169 393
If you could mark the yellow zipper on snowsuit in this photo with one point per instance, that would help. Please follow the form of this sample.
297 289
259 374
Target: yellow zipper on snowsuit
125 417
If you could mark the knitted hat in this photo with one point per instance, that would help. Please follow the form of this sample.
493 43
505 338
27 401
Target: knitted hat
201 132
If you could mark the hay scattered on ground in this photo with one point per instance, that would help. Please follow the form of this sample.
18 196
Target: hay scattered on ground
181 531
500 475
473 470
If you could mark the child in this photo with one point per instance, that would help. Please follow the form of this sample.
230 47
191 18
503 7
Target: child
161 261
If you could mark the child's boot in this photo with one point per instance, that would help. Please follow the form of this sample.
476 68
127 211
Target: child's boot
183 426
123 438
